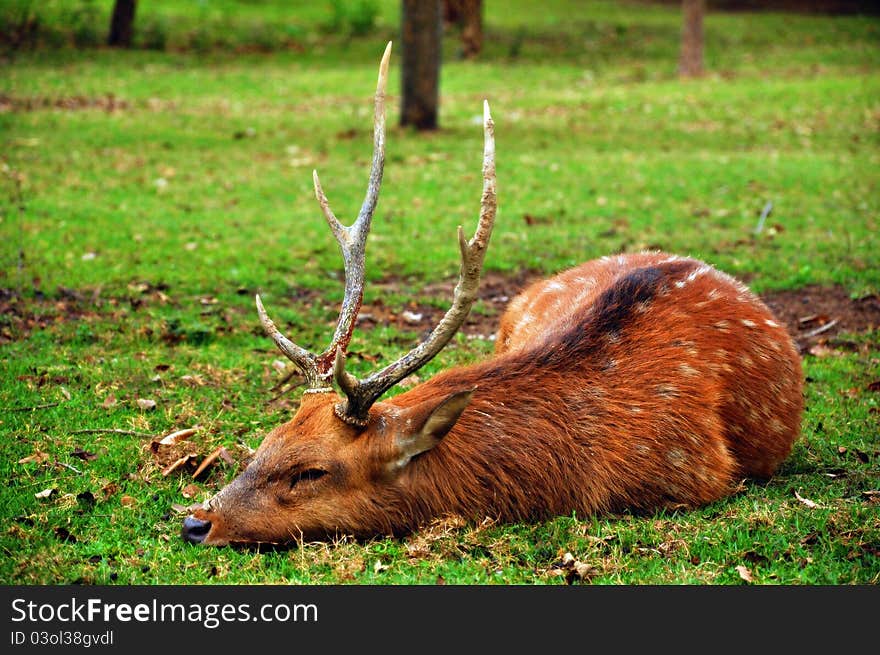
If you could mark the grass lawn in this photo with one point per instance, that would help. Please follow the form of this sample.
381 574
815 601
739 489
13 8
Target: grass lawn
146 195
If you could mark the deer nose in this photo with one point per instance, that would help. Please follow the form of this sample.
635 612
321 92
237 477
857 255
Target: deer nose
195 530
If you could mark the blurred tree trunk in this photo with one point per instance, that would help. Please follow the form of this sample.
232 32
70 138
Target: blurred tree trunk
122 23
691 62
468 16
421 28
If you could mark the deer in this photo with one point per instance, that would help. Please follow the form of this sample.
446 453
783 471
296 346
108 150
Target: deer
630 383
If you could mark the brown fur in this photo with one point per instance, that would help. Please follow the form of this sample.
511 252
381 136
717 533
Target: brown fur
631 382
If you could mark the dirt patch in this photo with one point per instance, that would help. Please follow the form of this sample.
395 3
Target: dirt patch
811 314
19 317
108 103
425 311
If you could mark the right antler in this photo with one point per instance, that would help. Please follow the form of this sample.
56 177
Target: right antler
361 394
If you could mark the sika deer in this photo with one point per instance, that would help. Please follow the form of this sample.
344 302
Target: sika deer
631 382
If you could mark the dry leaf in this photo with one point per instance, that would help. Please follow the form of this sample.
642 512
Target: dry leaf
379 566
821 350
109 401
128 501
806 501
208 461
146 404
84 455
180 509
65 393
176 464
190 491
179 435
744 573
38 456
46 493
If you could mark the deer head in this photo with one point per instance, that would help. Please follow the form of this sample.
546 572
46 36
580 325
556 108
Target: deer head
337 466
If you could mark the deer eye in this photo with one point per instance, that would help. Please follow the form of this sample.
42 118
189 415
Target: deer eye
306 475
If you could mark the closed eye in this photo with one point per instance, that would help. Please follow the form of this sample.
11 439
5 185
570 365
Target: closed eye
307 475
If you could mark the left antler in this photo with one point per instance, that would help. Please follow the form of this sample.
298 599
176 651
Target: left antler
352 242
361 394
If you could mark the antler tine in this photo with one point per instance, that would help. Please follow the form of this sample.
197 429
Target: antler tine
362 394
299 356
352 240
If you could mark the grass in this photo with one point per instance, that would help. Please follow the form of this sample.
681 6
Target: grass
146 195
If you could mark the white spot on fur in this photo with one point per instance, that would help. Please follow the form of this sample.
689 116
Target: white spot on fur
555 286
748 323
667 390
772 324
687 370
676 457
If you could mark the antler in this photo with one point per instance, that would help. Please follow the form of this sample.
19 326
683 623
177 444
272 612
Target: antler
361 394
352 242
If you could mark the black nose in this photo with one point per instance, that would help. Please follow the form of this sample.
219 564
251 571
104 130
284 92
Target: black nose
195 530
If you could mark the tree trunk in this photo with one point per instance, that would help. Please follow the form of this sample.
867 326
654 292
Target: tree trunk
468 16
421 28
122 23
691 63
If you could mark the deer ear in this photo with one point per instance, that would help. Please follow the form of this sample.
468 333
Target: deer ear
430 421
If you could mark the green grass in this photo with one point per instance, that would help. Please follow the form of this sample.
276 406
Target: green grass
135 287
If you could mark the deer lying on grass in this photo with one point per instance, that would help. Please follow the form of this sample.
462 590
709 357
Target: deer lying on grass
637 381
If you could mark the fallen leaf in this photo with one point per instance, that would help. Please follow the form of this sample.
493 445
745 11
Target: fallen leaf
821 319
109 401
874 386
180 509
379 566
806 501
208 461
65 393
744 573
128 501
86 498
176 464
190 491
64 535
821 350
146 404
46 493
84 455
179 435
38 456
